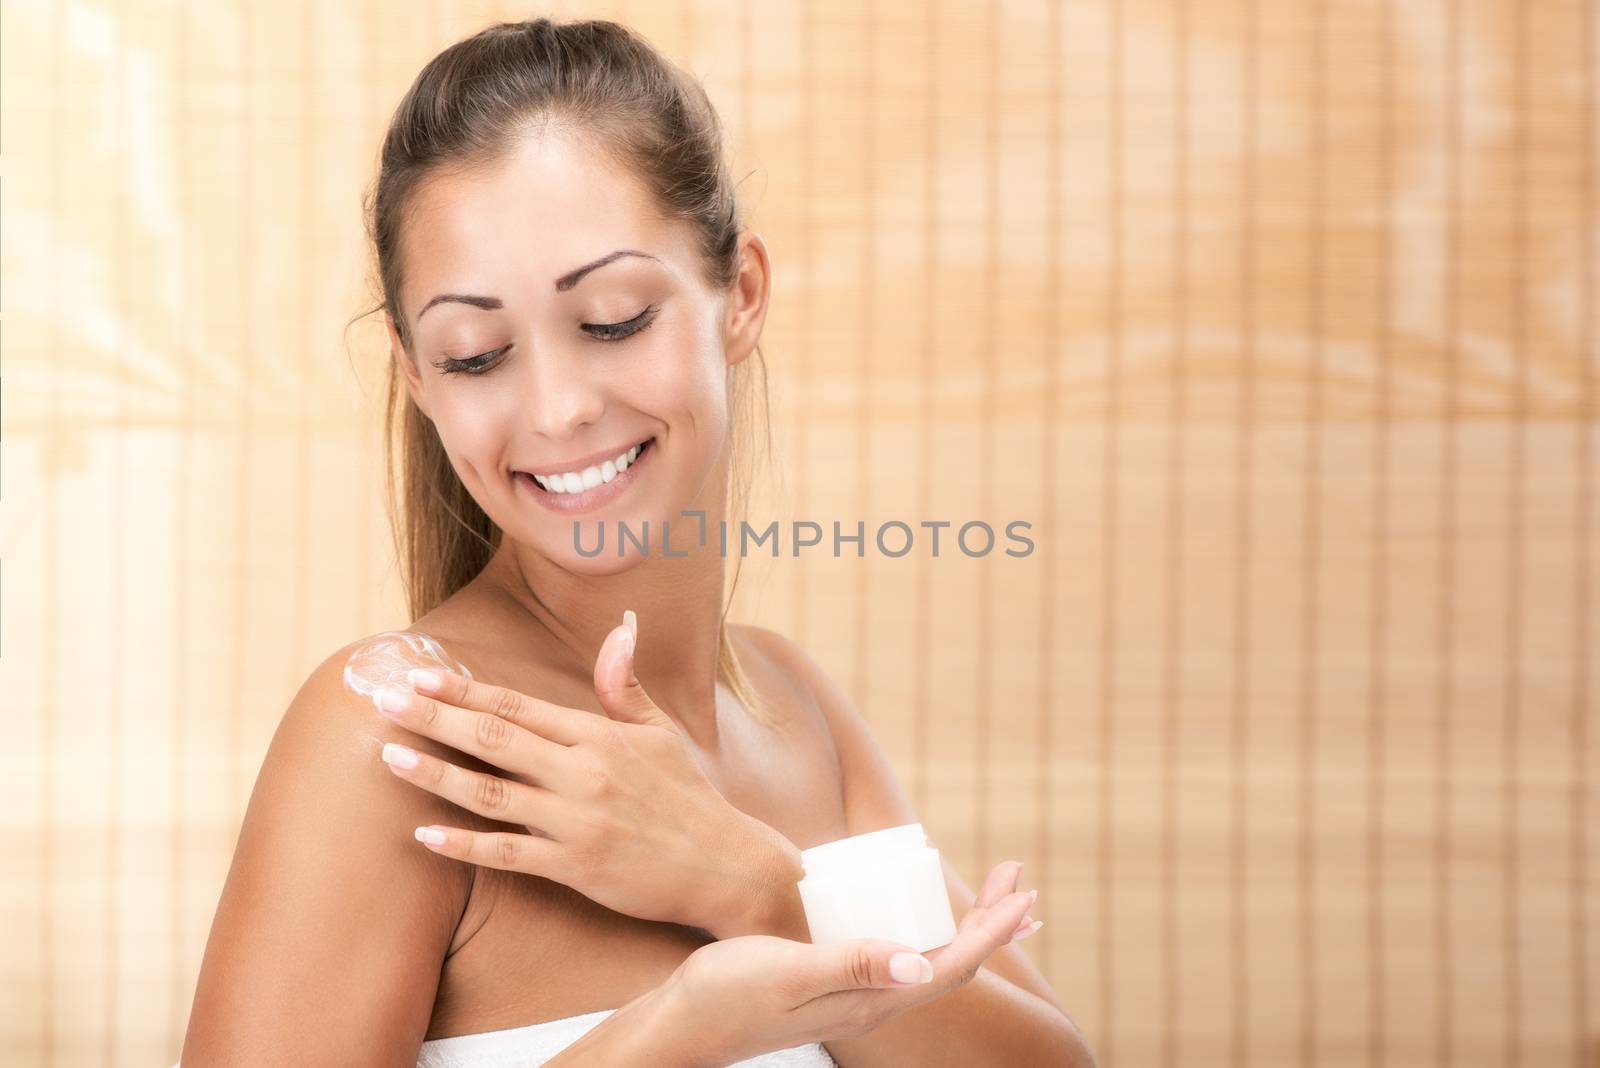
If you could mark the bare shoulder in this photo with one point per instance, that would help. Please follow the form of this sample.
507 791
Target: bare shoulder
873 797
334 712
324 873
794 670
776 658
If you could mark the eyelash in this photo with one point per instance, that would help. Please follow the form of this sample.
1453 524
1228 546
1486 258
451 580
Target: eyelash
477 365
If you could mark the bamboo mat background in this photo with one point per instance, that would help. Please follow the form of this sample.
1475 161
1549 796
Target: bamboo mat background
1275 319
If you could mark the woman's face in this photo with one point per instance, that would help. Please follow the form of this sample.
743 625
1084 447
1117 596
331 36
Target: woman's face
571 381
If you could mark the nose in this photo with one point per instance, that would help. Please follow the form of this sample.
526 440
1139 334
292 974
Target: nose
563 395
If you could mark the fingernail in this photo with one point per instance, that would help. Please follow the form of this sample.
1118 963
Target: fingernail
425 679
394 700
1033 895
1028 930
398 755
631 621
429 836
910 968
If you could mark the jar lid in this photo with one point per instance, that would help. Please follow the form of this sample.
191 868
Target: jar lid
873 846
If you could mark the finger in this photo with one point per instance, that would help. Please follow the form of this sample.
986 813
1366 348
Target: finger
1027 918
1027 930
505 850
490 738
488 795
557 723
982 931
1002 880
616 684
865 963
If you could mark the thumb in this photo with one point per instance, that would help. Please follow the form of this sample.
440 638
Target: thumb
614 681
869 963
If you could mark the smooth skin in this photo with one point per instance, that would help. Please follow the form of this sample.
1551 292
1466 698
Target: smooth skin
341 939
594 793
791 993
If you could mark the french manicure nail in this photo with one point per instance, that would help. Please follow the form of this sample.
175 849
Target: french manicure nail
425 679
910 968
398 755
631 621
1028 931
429 836
1033 895
394 700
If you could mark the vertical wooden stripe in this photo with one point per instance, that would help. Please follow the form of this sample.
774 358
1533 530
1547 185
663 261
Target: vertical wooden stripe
1311 559
983 669
1054 357
122 151
1108 541
300 622
1377 617
1511 737
1243 556
51 658
867 340
805 347
747 77
242 467
1587 440
372 464
1172 578
927 338
177 1000
1444 968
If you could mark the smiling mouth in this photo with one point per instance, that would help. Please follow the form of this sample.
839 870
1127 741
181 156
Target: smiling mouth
573 482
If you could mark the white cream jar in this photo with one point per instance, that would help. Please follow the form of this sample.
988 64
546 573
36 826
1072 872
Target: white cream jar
883 884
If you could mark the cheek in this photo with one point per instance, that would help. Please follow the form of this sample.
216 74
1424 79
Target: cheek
684 383
473 431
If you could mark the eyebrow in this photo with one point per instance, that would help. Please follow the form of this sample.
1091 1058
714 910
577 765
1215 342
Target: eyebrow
564 283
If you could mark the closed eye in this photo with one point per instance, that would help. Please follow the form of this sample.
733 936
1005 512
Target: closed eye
600 331
618 331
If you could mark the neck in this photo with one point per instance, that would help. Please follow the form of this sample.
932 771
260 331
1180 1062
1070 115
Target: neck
678 601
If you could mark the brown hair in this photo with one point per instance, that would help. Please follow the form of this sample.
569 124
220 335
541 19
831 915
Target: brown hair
469 106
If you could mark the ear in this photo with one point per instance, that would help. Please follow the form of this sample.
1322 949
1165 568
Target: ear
747 299
408 368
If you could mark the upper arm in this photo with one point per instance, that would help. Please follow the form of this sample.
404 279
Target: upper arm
874 799
334 921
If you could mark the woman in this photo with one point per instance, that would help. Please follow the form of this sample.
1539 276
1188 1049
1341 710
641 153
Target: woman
571 303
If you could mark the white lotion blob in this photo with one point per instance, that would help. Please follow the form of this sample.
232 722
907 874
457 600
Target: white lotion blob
382 662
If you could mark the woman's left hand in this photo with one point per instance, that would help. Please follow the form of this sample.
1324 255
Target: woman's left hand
619 809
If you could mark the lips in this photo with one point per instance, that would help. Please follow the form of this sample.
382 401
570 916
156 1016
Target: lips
591 475
593 497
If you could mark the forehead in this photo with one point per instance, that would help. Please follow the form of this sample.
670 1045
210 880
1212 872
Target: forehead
519 223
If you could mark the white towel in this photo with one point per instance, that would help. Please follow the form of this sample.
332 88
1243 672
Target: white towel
526 1047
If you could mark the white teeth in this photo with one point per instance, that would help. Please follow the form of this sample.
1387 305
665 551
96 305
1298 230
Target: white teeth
589 477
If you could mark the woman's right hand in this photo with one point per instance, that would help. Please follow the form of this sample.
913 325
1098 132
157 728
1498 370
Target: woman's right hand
759 993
